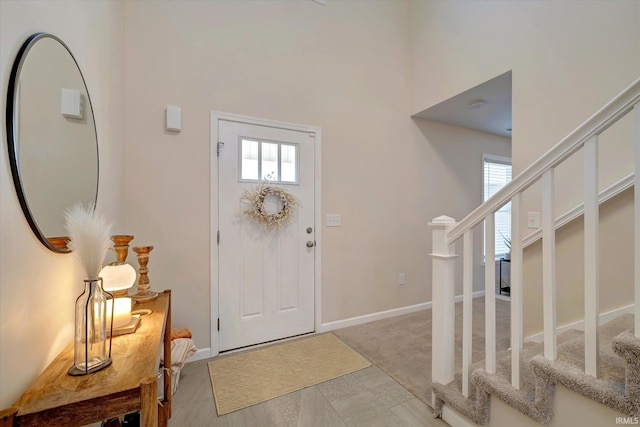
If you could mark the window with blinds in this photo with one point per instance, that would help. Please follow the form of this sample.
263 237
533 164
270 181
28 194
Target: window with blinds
496 173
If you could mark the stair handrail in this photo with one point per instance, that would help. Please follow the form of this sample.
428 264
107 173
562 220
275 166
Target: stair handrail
594 125
445 231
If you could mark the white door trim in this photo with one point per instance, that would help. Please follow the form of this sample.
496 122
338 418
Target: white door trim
213 213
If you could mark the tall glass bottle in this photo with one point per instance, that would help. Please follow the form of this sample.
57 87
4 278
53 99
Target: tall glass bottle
92 352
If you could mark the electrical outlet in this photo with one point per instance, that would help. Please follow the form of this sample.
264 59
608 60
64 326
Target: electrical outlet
333 220
401 279
533 220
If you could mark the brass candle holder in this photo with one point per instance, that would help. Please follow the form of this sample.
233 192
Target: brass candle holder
144 288
121 246
59 243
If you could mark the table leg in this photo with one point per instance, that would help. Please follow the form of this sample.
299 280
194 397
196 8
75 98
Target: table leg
149 402
7 417
168 386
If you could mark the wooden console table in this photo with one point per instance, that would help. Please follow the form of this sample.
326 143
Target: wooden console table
128 385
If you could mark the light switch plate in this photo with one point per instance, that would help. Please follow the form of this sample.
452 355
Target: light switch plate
334 220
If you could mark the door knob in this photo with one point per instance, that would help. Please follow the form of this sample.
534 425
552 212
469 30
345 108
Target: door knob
310 244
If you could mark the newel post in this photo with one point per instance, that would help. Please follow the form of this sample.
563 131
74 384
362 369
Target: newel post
443 260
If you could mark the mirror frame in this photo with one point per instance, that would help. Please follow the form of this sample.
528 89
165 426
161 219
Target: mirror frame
57 243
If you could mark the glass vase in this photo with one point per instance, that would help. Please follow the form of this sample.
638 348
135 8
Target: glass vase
92 340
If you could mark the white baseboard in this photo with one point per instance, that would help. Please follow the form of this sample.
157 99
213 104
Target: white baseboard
366 318
476 294
200 354
455 419
579 325
205 353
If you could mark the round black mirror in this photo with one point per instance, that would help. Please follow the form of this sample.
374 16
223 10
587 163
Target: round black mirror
51 136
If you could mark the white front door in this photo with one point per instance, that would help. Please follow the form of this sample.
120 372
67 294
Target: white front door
266 275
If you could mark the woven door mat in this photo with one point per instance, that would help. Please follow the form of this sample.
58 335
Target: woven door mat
245 379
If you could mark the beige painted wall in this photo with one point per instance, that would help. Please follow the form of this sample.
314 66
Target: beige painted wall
342 67
345 67
616 266
454 161
568 59
322 68
37 287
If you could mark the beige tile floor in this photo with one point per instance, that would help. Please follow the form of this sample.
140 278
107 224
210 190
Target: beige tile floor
368 397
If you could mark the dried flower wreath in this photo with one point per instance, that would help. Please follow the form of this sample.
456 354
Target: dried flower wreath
257 211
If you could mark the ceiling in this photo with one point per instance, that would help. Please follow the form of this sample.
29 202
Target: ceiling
491 115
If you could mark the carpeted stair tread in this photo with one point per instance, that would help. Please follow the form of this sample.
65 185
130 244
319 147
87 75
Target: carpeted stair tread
568 368
612 367
538 375
503 364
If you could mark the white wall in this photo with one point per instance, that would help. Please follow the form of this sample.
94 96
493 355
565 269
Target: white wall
343 67
38 287
567 58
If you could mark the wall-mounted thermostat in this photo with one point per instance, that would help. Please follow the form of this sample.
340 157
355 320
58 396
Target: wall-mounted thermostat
174 118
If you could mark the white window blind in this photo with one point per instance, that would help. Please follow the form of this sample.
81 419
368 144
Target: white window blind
496 174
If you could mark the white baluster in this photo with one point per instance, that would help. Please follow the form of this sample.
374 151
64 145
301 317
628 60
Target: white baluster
516 289
443 308
467 311
549 265
591 259
490 294
636 192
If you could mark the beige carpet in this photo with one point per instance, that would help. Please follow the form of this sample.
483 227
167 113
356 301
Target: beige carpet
246 379
614 386
401 346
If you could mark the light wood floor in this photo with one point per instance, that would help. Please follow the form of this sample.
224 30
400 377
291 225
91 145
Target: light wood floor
368 397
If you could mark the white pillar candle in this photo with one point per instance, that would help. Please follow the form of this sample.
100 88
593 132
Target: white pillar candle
122 309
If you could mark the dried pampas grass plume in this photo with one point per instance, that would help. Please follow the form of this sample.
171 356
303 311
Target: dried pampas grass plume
90 237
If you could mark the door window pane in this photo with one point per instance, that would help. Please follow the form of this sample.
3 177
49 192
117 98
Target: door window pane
249 166
270 161
289 163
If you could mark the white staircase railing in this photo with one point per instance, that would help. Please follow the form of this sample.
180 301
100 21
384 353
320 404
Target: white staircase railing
446 232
